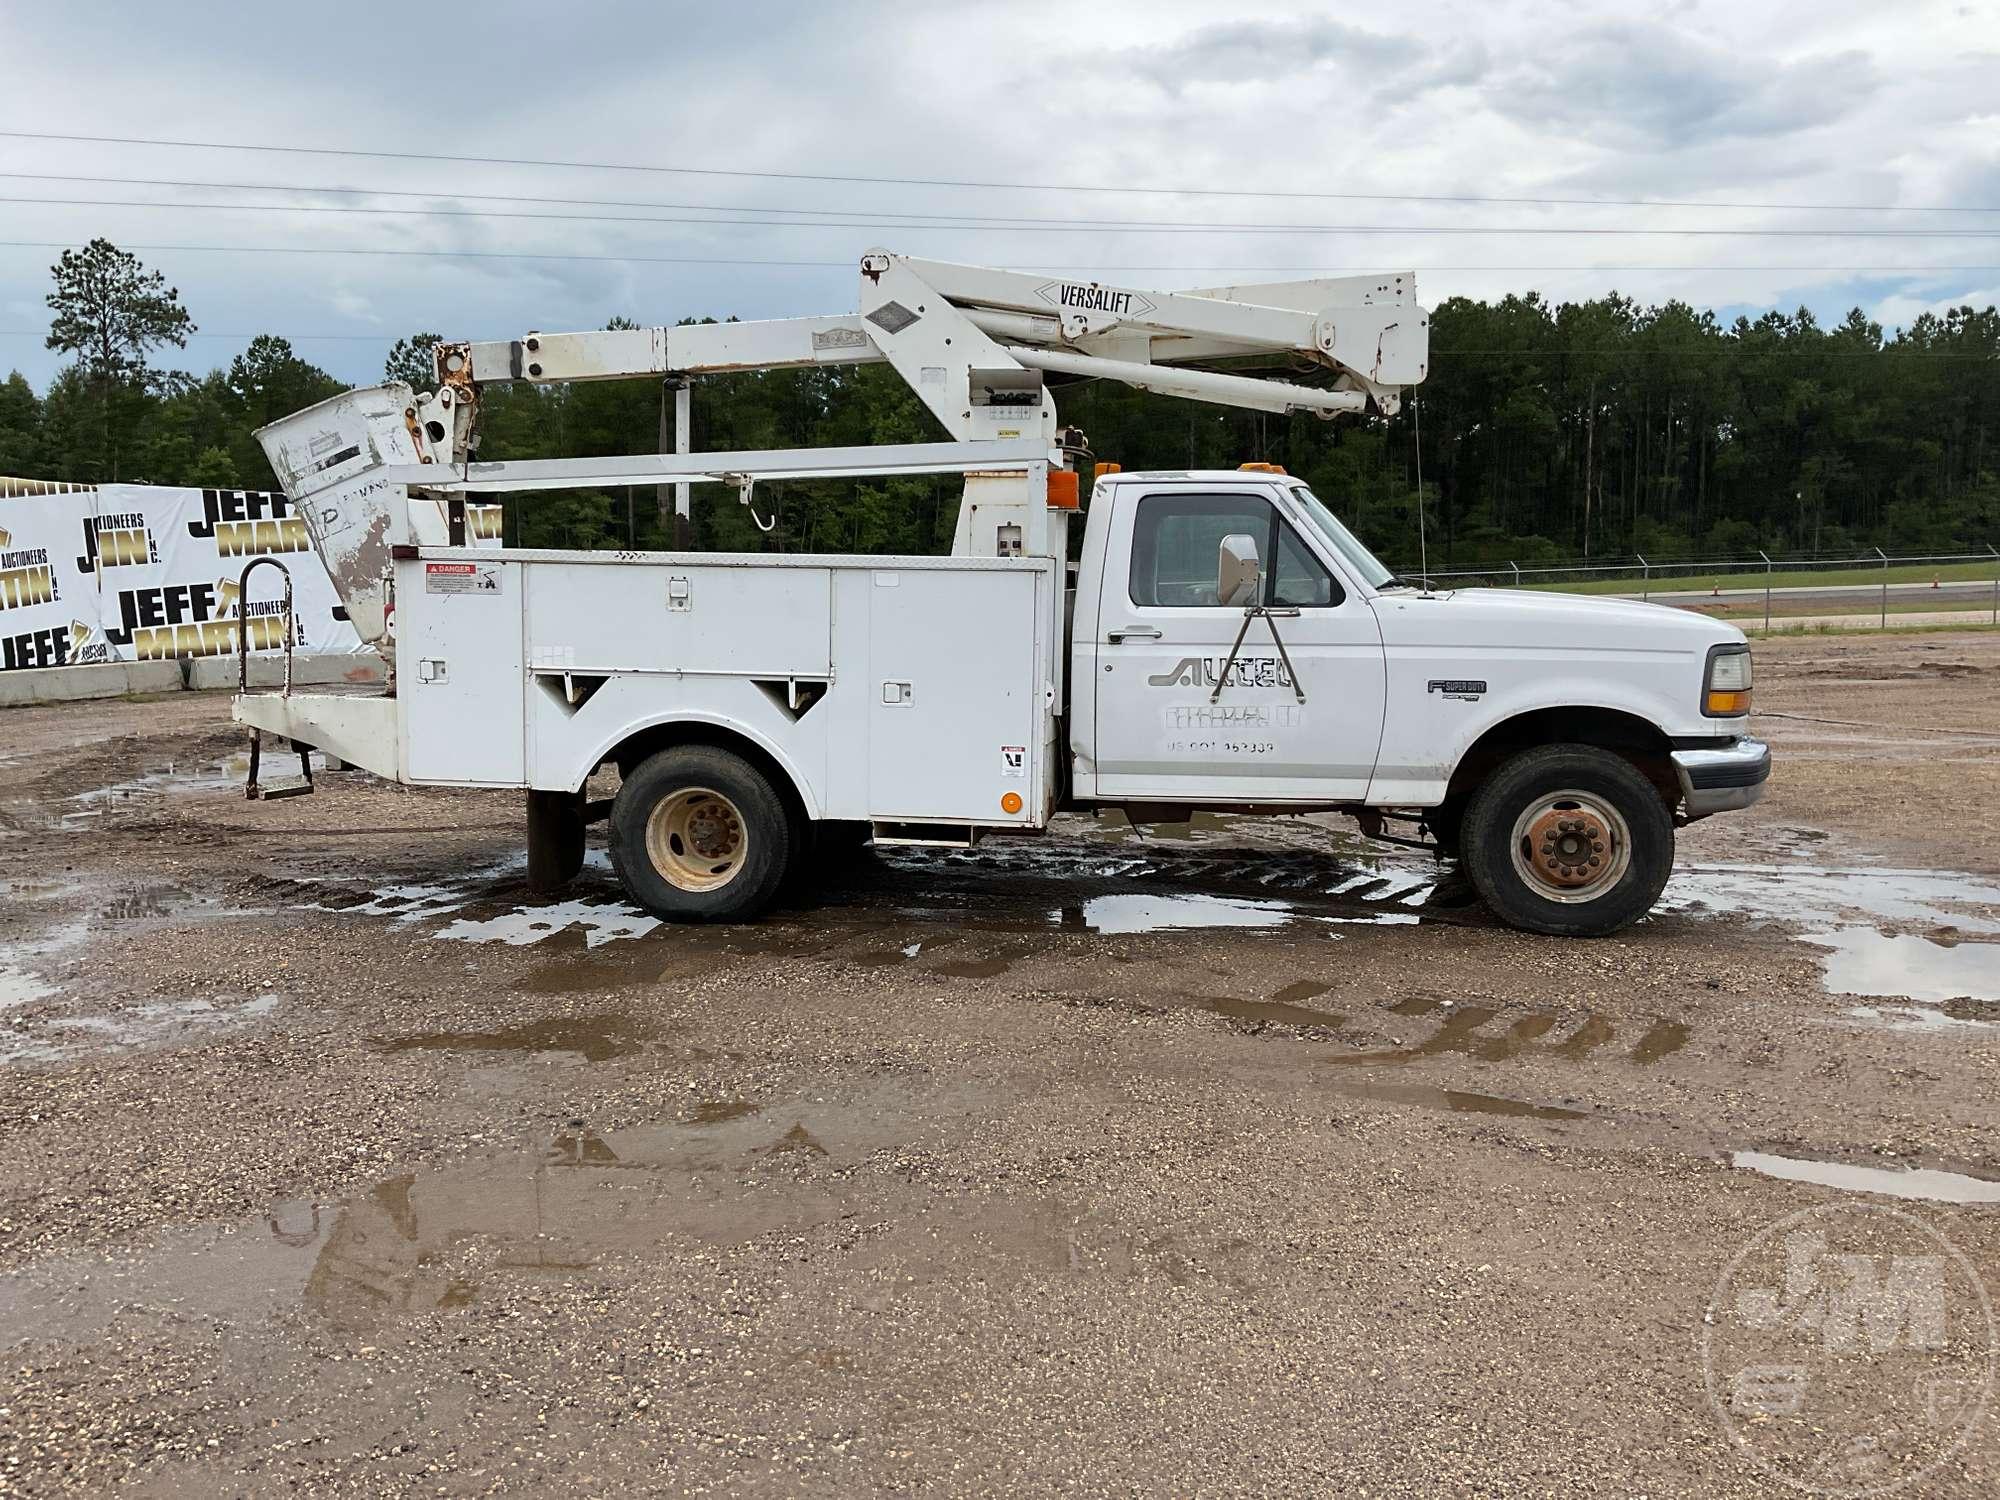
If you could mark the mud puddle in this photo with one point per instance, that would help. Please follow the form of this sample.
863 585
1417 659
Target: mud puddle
1909 1018
1925 1184
1282 1009
19 987
1865 961
1150 913
153 1023
175 778
445 1238
1458 1101
1009 886
1849 913
593 1038
1826 896
1496 1033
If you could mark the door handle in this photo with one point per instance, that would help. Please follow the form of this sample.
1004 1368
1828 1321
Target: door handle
1133 633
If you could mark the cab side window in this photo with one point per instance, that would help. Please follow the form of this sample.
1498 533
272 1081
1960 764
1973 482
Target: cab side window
1175 539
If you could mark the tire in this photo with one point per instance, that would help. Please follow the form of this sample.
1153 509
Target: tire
699 834
555 840
1569 884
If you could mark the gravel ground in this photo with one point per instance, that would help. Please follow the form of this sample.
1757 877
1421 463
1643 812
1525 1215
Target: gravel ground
1238 1158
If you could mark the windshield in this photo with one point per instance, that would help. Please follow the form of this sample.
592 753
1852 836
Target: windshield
1363 563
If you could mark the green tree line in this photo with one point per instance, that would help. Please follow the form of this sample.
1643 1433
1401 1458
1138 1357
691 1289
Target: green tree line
1548 430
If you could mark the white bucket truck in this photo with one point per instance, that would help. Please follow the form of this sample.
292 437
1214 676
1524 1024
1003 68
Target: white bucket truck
1224 642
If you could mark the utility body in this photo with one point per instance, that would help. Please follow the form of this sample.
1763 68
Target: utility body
1222 641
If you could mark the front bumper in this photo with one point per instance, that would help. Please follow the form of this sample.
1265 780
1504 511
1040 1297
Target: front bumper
1722 778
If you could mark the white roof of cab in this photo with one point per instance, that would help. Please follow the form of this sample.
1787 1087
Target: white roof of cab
1204 476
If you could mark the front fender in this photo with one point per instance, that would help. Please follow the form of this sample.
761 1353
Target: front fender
1429 729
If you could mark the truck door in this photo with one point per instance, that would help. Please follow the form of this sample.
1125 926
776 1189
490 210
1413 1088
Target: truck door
1163 639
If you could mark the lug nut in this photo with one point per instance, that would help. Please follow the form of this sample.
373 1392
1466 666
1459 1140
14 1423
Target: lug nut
1593 859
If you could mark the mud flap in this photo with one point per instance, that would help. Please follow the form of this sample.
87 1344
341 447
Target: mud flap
555 839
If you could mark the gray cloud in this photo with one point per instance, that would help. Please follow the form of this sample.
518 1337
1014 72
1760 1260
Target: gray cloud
1719 100
1235 51
1654 85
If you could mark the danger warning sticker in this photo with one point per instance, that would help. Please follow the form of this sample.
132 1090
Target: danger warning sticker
461 578
1013 760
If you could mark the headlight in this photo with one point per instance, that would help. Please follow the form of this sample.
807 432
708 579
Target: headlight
1727 691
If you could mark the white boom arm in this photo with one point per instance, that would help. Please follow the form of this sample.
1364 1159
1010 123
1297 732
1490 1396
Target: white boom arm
385 467
973 343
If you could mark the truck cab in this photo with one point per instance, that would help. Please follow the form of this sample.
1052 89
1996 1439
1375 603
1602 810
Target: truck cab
1236 646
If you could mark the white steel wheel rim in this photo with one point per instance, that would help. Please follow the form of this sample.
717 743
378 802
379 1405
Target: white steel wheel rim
696 839
1571 846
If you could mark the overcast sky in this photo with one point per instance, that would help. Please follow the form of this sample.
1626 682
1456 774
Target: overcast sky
1865 106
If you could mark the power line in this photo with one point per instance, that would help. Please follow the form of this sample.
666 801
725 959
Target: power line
952 182
947 220
1730 345
295 338
1044 266
1843 232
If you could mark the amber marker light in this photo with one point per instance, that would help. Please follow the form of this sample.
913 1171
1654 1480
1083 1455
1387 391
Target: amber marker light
1727 692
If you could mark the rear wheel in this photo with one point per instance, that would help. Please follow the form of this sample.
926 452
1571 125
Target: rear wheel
699 835
1570 840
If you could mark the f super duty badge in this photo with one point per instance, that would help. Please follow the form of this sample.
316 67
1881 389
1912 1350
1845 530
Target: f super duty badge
1464 689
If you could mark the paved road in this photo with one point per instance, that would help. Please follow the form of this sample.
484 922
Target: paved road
1833 598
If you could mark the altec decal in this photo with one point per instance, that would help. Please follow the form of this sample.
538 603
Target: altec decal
193 619
116 542
1082 296
248 523
1246 671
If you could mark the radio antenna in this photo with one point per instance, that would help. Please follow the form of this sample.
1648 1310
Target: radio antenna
1423 543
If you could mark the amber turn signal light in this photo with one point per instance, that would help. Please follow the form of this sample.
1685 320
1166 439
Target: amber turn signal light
1721 703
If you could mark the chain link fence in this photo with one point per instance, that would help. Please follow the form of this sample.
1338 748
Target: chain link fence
1683 578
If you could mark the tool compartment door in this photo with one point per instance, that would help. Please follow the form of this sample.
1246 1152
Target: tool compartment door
458 670
674 615
956 702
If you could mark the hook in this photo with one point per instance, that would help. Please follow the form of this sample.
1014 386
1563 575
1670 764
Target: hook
746 483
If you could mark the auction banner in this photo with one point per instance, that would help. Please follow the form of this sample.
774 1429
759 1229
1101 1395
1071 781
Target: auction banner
132 572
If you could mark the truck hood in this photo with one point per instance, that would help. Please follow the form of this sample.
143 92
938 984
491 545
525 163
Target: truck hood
1533 618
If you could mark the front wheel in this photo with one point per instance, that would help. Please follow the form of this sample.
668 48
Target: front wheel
699 835
1569 840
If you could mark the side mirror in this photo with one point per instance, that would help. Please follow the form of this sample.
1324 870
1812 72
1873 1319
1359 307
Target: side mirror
1238 575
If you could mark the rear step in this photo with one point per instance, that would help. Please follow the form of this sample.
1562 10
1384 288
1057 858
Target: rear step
258 793
251 789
